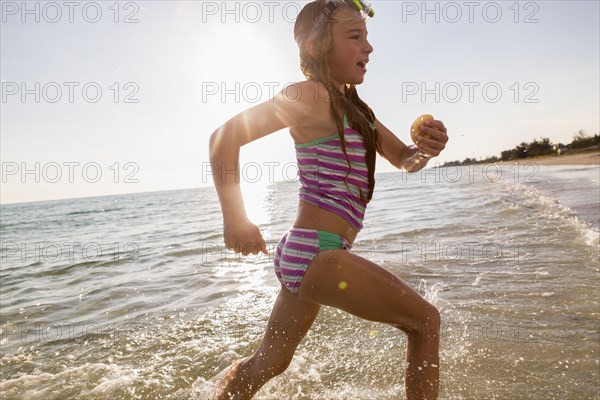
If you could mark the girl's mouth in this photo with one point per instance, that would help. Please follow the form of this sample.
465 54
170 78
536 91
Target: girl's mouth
362 65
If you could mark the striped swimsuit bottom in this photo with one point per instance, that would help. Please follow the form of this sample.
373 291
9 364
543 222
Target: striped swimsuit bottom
296 250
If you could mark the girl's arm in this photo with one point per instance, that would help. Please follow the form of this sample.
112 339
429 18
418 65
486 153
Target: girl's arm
261 120
406 157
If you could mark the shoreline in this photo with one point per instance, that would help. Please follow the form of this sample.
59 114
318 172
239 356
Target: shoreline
566 159
592 158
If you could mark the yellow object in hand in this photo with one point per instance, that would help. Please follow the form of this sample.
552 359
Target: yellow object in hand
414 129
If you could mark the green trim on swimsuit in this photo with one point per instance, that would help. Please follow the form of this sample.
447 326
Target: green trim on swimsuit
324 139
329 241
317 141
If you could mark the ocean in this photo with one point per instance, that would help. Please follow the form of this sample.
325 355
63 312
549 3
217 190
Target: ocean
135 297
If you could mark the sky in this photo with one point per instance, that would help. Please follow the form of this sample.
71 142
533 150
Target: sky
105 97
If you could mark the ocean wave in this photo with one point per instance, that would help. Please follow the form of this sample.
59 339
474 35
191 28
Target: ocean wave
551 208
102 210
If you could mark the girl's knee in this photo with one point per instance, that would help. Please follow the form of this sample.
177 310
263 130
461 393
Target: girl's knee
426 322
432 328
433 317
429 326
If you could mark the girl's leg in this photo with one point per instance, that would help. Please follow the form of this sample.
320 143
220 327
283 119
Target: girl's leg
349 282
289 322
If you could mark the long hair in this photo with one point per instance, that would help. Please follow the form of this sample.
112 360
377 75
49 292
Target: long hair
359 114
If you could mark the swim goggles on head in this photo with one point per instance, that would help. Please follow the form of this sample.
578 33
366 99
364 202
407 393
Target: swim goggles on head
362 8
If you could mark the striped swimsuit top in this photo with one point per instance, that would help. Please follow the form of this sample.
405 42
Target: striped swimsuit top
322 167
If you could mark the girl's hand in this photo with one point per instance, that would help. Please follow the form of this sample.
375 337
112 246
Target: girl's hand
433 138
242 236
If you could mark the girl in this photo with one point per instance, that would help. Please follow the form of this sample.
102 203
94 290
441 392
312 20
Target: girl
336 138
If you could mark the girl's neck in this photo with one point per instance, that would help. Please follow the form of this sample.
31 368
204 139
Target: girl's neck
341 87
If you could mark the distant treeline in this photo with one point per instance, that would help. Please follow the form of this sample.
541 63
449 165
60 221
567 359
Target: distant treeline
543 146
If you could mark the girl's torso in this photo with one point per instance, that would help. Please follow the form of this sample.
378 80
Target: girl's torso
309 216
312 217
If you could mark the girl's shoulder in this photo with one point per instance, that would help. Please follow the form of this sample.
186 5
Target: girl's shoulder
312 100
309 100
308 93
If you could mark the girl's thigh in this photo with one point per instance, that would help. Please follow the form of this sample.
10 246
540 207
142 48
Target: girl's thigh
344 280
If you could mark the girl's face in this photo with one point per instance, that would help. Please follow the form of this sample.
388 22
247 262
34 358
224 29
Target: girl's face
351 49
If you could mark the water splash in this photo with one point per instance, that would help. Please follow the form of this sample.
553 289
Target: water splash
431 294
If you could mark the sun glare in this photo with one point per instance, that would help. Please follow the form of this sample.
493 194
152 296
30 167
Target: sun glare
244 51
240 58
255 198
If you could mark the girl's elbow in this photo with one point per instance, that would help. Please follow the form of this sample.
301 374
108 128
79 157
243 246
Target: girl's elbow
212 148
220 143
216 148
